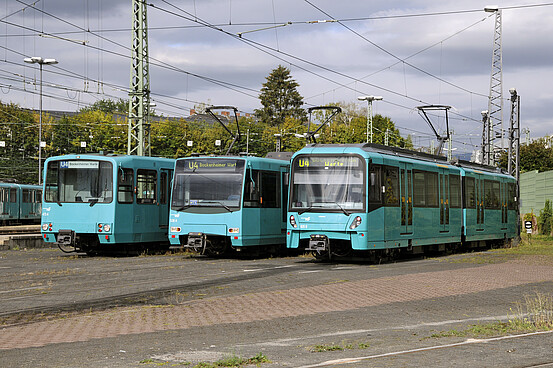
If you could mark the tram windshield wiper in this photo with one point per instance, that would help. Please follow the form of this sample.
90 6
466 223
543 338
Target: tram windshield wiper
305 210
318 206
222 204
93 201
342 208
186 206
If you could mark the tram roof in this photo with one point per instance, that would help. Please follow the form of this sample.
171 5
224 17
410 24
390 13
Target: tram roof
402 152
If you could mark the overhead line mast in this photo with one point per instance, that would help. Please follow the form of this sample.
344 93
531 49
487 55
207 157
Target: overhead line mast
138 140
495 98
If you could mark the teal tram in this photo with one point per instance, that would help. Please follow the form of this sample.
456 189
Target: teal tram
20 203
99 203
229 203
378 201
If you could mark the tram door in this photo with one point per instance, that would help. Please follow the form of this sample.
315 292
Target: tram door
479 203
164 190
504 195
443 183
406 189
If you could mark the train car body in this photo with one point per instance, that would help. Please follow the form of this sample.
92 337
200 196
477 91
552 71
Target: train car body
223 203
365 197
20 203
97 203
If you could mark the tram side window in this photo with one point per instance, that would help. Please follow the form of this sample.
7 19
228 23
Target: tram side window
163 188
13 195
425 189
51 192
262 189
125 186
470 193
419 189
38 196
146 181
454 191
491 194
251 190
391 182
511 199
375 187
26 196
431 189
269 190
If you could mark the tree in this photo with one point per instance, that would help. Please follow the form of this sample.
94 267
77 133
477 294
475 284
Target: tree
534 156
108 106
280 98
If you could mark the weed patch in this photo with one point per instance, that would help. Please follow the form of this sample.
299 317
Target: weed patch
345 345
229 361
532 315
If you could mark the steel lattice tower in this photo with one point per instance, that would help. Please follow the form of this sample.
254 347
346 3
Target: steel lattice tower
495 98
139 95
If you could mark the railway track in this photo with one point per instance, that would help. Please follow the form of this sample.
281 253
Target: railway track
20 229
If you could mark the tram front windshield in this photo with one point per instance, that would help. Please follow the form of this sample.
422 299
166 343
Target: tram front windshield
75 181
328 183
207 182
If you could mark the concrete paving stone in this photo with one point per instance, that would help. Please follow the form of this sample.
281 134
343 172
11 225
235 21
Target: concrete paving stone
269 305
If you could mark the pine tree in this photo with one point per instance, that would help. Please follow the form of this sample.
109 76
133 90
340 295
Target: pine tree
280 98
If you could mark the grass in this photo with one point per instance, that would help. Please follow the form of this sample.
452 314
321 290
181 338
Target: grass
229 361
532 315
345 345
537 246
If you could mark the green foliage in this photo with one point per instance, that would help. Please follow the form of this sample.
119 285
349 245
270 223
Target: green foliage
537 155
19 131
108 106
545 219
280 98
103 127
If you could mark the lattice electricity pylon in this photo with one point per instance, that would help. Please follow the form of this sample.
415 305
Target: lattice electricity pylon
495 98
138 140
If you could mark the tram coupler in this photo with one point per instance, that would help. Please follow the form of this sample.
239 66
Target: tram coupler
318 243
197 241
66 237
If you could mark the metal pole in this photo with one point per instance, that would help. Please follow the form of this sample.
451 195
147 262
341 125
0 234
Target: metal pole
370 121
484 131
40 130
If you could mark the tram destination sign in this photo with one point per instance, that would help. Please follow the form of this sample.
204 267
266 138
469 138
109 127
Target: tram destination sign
79 164
327 161
213 165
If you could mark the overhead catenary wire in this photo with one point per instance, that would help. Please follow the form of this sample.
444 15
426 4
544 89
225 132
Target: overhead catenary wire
474 11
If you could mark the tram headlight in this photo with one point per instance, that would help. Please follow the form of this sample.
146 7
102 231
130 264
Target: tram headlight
356 222
44 226
107 228
293 221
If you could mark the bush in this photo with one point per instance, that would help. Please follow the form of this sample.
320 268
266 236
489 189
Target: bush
545 220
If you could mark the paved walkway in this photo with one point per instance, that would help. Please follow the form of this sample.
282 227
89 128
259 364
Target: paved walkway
275 304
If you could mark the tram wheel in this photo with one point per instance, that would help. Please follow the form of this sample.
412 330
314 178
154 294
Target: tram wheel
215 248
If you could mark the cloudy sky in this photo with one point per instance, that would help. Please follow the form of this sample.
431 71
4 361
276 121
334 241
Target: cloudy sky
410 52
